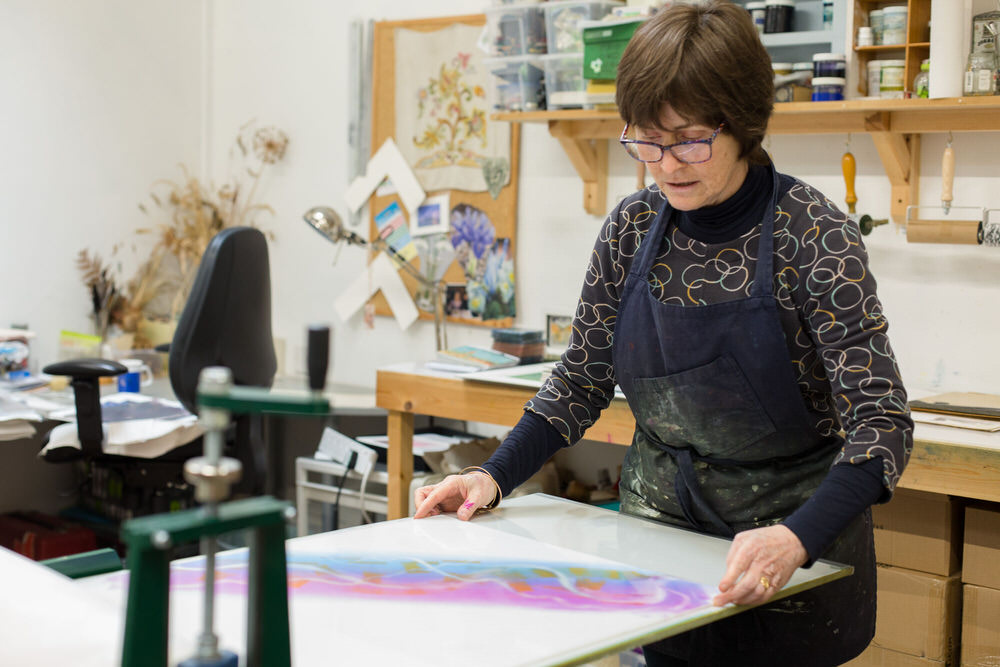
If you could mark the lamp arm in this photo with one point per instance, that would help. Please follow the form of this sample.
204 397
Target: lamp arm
380 244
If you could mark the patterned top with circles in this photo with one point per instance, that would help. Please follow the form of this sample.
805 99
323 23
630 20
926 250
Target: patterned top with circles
828 307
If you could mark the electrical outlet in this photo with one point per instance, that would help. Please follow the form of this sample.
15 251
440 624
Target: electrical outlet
337 447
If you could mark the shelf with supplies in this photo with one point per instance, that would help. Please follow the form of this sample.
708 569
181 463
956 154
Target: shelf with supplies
894 125
915 48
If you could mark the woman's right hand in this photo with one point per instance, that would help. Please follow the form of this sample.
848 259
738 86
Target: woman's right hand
463 494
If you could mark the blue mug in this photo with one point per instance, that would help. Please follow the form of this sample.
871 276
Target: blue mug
132 381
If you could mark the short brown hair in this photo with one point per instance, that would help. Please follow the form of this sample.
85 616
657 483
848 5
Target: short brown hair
707 62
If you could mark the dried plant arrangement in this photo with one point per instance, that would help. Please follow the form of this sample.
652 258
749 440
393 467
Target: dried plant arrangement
196 212
186 215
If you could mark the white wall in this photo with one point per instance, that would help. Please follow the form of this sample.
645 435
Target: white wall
109 99
99 99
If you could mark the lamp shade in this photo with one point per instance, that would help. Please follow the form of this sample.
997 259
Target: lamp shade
328 222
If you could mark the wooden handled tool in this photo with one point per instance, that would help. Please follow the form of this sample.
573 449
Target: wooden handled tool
849 167
947 176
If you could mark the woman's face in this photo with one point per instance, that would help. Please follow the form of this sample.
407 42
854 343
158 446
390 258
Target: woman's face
693 186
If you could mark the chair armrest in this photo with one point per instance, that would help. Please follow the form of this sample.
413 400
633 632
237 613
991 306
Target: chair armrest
86 375
85 368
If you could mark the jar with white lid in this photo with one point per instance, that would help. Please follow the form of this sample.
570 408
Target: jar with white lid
891 84
778 15
828 88
875 21
894 24
830 64
758 14
874 78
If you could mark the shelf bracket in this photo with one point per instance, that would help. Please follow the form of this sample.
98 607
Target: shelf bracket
590 159
900 154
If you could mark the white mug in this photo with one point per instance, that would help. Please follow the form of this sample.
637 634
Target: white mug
132 380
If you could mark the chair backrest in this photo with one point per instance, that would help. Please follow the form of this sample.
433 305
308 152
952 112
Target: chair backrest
227 319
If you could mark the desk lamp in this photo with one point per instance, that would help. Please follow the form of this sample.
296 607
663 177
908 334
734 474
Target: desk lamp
328 222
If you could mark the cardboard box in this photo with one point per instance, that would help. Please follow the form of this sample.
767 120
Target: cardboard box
980 626
919 531
876 656
981 551
918 614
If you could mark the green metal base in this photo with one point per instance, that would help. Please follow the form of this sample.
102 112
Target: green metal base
247 400
86 564
149 539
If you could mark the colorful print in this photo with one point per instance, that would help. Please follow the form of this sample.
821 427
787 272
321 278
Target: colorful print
542 585
487 262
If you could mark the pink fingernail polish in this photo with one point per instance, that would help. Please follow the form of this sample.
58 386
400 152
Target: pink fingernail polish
469 505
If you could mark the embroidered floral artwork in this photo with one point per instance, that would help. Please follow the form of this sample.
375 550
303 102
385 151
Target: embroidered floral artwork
453 115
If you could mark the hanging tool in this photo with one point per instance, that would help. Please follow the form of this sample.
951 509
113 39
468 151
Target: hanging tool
849 166
964 227
947 175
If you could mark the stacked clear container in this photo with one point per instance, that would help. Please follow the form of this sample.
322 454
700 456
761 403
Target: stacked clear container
565 86
517 44
537 71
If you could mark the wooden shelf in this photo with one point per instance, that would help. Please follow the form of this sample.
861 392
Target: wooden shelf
894 125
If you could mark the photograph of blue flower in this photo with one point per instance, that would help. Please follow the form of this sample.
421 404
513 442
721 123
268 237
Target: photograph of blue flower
486 261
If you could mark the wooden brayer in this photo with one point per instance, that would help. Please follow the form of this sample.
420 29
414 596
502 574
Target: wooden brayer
947 223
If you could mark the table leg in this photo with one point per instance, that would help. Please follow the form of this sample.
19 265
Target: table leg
400 463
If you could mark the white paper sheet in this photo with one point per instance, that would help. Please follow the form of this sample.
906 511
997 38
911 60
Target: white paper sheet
432 592
387 162
383 275
45 619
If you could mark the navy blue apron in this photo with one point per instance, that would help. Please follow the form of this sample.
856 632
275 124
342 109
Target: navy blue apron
723 443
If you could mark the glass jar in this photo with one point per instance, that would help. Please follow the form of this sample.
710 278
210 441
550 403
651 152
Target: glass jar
921 82
981 74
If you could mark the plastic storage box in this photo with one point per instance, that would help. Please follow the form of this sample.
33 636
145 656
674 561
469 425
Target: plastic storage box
603 45
516 30
565 86
562 22
519 83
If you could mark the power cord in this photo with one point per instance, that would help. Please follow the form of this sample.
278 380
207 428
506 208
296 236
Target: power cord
340 487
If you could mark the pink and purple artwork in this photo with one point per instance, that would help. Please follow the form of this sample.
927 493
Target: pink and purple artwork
540 585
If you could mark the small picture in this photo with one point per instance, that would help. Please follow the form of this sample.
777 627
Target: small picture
431 217
557 330
456 300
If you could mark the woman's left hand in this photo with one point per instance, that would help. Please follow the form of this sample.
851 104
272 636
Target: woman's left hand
759 563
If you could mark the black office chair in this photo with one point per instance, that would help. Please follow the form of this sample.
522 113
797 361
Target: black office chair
226 322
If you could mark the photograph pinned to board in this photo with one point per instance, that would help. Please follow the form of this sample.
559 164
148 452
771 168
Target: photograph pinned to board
392 229
456 302
433 216
457 151
558 329
487 262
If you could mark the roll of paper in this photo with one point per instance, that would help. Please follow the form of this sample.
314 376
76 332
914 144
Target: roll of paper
950 26
943 231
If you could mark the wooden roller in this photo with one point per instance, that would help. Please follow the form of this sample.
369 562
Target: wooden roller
943 231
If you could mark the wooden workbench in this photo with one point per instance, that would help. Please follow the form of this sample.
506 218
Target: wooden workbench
945 460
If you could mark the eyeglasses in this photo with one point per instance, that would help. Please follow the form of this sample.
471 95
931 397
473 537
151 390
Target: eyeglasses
694 151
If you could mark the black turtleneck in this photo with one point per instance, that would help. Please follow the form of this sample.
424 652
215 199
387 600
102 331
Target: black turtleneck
733 217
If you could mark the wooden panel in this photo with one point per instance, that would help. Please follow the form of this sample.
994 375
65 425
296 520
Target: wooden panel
958 470
502 210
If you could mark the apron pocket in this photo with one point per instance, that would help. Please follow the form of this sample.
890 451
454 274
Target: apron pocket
710 408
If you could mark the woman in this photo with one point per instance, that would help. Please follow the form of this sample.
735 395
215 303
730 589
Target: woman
734 307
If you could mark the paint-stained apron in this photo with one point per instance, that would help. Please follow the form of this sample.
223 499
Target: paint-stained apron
723 443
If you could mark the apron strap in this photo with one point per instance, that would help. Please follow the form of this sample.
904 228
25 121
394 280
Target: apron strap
689 495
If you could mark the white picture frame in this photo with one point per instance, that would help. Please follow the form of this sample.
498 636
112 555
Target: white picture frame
432 217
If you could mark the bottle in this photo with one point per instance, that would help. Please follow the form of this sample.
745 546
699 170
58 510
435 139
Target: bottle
981 68
921 82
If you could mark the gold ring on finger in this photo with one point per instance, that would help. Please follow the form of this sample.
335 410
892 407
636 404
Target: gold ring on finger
765 582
